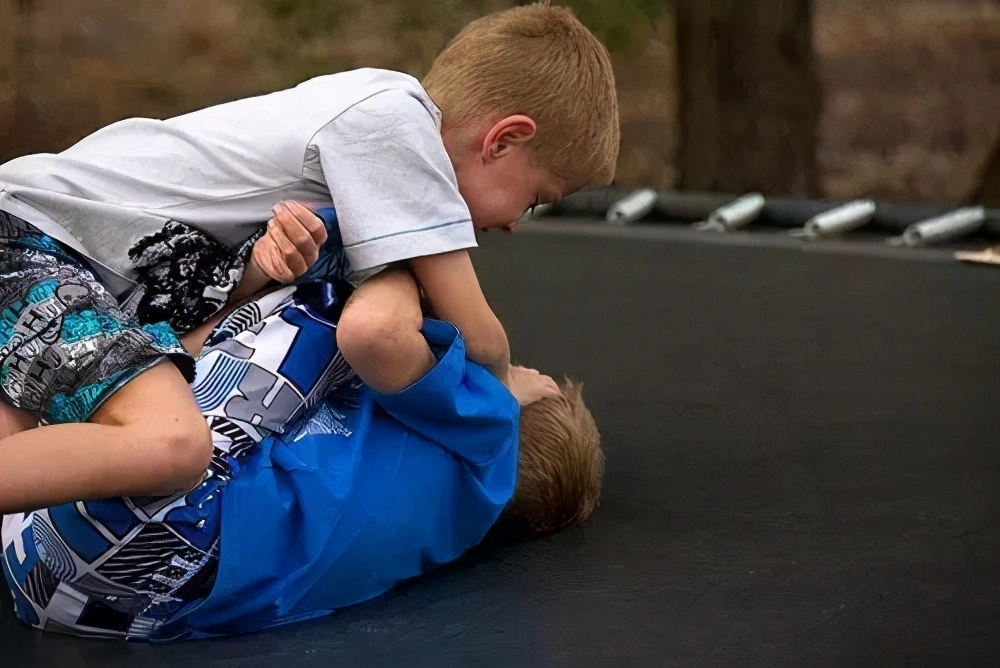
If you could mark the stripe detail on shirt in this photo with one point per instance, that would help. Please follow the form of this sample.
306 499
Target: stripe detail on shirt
463 221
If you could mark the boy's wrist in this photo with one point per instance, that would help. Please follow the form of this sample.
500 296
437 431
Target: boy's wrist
502 372
253 281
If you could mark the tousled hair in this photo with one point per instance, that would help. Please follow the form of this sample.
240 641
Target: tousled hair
561 464
540 61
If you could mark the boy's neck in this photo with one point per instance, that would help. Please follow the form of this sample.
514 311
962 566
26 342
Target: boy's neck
457 141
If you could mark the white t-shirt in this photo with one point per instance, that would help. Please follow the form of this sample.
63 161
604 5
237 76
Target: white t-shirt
366 141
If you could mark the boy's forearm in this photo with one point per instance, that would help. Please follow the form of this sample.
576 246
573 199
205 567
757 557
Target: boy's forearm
497 362
452 291
488 346
253 281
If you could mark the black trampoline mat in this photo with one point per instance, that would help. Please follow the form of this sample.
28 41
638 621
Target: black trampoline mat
803 462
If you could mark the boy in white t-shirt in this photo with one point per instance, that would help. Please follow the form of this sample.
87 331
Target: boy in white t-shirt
142 231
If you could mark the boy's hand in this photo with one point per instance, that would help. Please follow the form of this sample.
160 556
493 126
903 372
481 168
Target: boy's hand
529 386
291 244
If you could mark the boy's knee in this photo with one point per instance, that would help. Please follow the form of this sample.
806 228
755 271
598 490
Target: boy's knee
184 449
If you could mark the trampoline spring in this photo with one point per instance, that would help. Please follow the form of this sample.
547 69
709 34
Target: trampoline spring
958 223
838 220
635 206
733 216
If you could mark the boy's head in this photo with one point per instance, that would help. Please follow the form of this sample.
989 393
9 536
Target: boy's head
530 110
561 465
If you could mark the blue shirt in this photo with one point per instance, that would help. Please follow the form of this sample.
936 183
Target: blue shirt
368 490
354 494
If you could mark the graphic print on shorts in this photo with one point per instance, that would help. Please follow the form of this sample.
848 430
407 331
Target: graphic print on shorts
122 567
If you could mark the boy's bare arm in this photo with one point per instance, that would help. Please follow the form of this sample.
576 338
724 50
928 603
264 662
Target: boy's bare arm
379 332
452 291
379 335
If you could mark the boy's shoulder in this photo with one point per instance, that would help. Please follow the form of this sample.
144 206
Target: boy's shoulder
355 86
364 77
312 104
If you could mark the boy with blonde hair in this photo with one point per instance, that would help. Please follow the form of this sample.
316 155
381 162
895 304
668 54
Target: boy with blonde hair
149 221
298 517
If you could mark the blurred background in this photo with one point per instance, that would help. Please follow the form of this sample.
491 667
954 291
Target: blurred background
893 99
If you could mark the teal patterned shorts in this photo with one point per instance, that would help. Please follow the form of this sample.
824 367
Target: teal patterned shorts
66 344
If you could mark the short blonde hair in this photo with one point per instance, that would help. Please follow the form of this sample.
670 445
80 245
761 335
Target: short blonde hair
561 465
540 61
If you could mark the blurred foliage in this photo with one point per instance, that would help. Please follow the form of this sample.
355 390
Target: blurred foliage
621 25
303 38
303 19
289 28
910 86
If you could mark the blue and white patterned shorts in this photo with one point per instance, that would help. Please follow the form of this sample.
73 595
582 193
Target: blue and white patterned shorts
122 567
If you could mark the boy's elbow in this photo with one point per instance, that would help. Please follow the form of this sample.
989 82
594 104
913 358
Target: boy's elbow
366 337
386 351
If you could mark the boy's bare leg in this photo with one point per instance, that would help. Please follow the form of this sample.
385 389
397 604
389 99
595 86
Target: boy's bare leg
194 341
149 438
13 420
379 332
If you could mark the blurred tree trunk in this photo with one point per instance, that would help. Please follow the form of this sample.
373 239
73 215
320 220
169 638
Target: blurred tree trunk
988 193
750 96
18 128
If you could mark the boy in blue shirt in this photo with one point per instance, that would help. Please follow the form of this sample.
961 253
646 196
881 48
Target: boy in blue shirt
324 491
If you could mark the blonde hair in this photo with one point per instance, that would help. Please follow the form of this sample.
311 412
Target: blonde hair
561 465
540 61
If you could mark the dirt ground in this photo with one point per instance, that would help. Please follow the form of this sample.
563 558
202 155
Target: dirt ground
911 87
912 92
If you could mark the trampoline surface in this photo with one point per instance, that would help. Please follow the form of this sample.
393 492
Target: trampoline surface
803 461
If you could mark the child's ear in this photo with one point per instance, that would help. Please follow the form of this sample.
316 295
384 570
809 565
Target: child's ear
508 134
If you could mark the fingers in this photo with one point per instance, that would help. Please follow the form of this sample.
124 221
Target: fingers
309 221
292 242
287 256
529 385
270 261
277 256
293 239
302 227
547 387
550 388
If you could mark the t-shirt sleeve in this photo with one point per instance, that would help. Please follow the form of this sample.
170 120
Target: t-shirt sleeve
392 183
458 404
